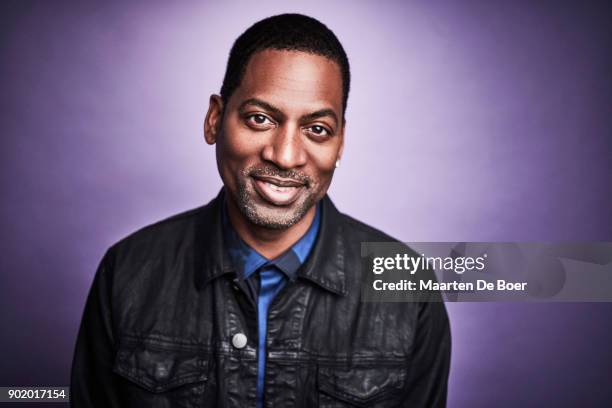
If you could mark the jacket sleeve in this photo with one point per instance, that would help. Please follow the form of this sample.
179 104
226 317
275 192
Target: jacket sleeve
93 383
429 366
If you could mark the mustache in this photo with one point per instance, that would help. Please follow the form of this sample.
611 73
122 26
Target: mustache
272 171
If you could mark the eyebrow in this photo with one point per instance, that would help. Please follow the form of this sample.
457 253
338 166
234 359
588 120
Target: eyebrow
320 114
277 112
262 104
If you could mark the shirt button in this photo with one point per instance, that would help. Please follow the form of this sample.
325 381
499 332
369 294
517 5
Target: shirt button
239 340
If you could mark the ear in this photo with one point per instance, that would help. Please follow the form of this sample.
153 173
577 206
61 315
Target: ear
214 117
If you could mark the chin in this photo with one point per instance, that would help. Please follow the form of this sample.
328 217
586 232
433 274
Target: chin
273 217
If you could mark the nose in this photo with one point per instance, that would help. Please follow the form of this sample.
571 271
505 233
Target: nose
286 148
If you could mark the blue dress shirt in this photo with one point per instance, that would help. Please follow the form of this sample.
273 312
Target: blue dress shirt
264 278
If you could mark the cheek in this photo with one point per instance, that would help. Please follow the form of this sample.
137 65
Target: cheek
237 147
234 154
324 162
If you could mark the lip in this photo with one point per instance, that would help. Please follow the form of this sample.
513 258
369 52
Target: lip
278 192
280 181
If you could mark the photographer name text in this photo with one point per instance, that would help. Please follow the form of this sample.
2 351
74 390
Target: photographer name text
452 286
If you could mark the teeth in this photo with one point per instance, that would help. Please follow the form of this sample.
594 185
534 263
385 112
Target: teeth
279 188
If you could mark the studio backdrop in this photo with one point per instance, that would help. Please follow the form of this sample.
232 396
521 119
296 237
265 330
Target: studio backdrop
466 121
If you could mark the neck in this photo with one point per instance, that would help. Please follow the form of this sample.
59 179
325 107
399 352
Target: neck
267 241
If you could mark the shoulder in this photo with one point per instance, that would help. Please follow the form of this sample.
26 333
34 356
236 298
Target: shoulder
350 225
162 254
361 229
153 238
361 232
167 240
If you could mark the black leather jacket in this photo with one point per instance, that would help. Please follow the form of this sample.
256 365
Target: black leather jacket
160 323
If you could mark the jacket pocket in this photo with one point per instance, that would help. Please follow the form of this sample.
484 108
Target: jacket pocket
161 375
360 387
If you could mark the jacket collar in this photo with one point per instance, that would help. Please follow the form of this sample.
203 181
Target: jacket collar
325 266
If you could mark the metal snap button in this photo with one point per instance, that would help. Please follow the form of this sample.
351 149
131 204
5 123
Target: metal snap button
239 340
161 371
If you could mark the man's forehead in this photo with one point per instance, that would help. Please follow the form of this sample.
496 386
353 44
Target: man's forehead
292 80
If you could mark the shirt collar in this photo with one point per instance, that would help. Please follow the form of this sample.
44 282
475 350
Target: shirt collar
247 261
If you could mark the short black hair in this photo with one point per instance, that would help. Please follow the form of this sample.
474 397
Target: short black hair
292 32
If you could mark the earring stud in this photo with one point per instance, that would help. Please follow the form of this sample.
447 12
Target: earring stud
337 163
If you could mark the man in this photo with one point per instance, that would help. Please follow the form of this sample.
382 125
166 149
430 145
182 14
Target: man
254 299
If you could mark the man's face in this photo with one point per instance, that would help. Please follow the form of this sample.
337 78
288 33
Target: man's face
279 136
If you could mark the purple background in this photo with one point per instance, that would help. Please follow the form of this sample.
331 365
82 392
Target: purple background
466 122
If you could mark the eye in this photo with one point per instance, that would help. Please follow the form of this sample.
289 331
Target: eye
319 130
259 120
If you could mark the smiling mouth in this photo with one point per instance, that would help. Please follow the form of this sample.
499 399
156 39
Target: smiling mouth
277 191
